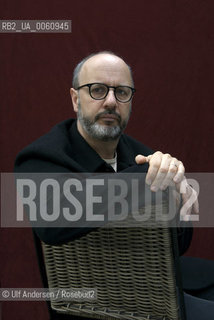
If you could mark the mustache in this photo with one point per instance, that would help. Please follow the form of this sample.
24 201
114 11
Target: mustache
106 113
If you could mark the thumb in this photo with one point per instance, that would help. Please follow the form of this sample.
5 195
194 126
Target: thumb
140 159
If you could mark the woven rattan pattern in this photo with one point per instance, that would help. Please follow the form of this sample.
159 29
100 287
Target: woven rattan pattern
131 268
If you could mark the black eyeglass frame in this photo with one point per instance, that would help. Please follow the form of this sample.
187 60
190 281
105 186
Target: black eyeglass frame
108 87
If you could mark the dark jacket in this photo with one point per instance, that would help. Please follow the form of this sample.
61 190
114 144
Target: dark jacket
64 150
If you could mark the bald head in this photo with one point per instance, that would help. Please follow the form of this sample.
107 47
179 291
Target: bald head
103 118
95 65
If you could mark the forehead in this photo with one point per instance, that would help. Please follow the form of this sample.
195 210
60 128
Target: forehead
107 69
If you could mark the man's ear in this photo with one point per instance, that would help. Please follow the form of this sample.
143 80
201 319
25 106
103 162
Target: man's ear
74 98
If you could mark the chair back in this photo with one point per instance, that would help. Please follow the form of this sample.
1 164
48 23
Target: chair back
132 269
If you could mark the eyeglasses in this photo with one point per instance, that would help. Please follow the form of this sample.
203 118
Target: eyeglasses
99 91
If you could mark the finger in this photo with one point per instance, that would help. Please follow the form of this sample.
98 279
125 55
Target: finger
185 213
186 217
186 191
195 206
186 209
154 165
190 203
180 172
162 172
173 167
140 159
177 198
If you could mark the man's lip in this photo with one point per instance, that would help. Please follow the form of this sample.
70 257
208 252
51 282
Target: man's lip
109 117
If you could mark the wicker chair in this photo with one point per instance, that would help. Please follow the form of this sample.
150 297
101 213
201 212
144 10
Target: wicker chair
133 269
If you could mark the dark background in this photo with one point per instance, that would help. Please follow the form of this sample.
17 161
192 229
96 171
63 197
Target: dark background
170 46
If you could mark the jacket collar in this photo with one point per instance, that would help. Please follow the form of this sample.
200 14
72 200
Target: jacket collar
90 160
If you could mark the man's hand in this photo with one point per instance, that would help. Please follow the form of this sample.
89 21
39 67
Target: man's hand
163 170
189 197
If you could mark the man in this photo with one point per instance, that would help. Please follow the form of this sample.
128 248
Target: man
102 94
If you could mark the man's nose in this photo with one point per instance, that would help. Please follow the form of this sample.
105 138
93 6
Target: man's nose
110 100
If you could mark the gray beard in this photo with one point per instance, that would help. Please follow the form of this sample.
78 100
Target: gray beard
100 132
